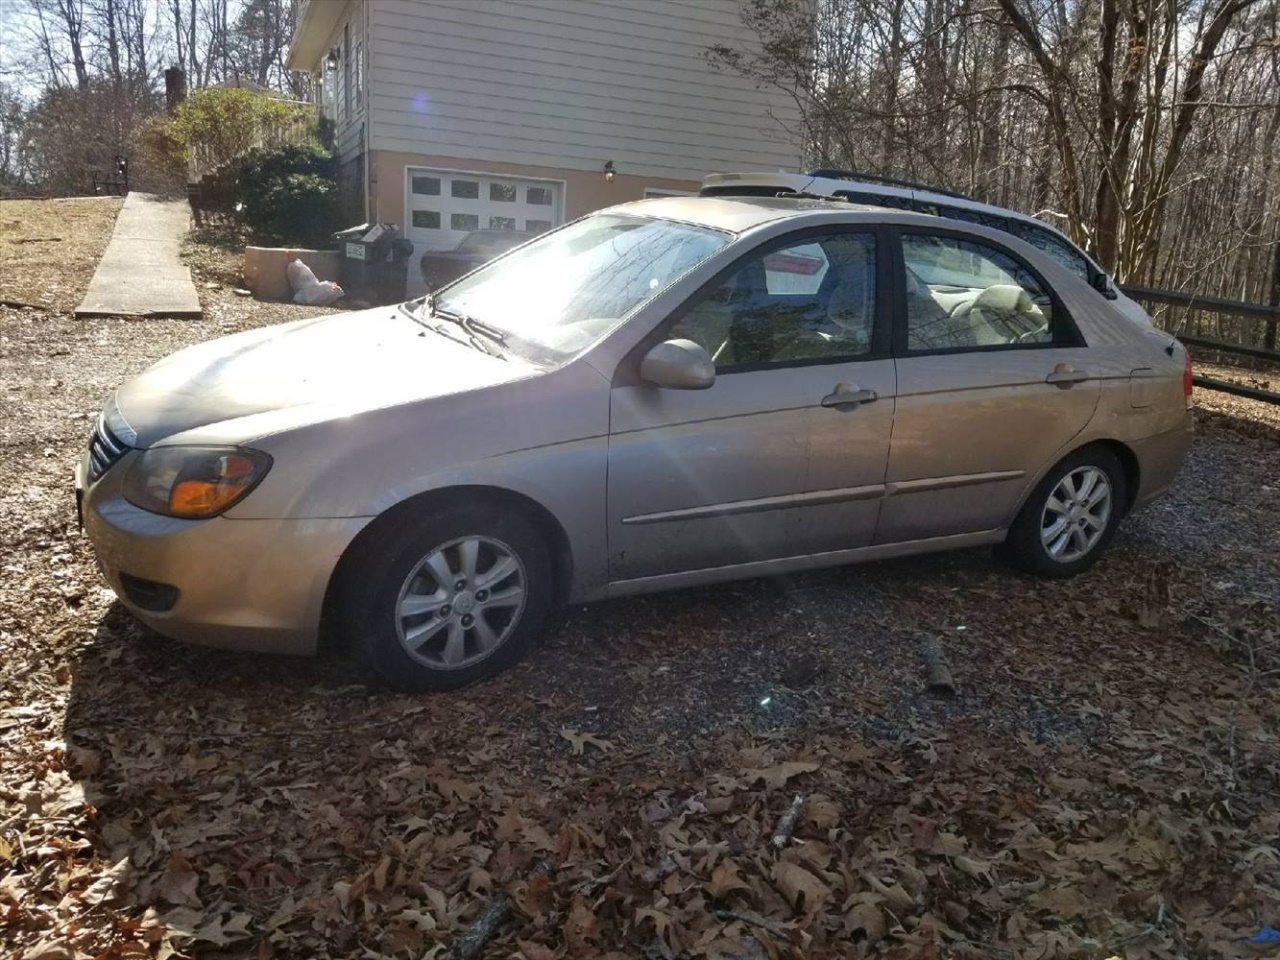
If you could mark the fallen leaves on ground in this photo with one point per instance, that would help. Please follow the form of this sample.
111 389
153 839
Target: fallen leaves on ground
1106 784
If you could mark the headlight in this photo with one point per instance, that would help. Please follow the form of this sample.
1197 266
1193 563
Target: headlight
193 482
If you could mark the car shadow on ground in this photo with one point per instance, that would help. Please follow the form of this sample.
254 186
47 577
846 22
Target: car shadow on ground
828 650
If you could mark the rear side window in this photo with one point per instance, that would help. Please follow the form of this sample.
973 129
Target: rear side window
892 201
975 216
962 295
1057 248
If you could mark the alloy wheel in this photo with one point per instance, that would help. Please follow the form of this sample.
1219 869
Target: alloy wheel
1076 514
461 602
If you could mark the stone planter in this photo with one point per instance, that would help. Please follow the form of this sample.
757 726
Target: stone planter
264 269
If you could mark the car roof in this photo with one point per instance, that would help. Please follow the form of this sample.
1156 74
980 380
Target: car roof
804 182
740 214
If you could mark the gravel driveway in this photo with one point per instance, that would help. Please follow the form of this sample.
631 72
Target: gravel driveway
1106 781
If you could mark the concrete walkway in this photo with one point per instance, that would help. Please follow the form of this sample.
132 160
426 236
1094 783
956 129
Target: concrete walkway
140 274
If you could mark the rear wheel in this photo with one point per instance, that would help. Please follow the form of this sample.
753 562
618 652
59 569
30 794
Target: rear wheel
458 595
1070 517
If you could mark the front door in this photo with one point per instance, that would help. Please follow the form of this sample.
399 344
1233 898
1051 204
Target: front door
785 454
993 384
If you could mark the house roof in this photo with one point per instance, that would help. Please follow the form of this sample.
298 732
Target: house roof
316 23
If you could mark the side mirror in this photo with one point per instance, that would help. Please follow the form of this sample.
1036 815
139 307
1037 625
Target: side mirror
678 365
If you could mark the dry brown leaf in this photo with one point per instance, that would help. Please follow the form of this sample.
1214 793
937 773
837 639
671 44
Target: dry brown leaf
823 814
724 879
777 776
866 920
804 892
535 951
452 789
179 881
580 741
978 869
579 929
1065 902
536 897
110 886
55 949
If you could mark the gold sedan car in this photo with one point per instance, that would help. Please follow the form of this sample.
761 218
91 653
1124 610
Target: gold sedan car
661 395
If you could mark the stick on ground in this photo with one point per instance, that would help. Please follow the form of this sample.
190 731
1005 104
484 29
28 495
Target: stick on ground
937 672
787 825
471 943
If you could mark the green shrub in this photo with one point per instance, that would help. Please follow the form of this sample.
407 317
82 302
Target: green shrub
288 196
218 124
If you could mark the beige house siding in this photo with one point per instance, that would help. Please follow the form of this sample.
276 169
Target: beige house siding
569 85
540 94
344 98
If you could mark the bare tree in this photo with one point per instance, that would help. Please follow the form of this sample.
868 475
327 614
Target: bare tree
1146 129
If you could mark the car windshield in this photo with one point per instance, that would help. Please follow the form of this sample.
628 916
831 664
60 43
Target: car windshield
557 296
491 243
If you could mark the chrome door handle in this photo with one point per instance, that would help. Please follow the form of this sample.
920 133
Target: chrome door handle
1064 376
845 396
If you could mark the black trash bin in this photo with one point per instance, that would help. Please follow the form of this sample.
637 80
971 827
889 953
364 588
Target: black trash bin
375 263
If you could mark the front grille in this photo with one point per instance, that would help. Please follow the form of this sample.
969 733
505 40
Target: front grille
105 449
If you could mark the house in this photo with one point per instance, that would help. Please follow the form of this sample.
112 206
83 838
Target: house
454 115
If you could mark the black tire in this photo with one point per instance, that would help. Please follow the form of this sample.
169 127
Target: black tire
373 577
1025 547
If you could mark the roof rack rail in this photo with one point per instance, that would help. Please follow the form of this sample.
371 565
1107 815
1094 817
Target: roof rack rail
834 174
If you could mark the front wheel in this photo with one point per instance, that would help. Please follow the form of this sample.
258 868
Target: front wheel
1070 517
447 599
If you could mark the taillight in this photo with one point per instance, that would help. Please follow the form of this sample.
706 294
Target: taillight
1187 383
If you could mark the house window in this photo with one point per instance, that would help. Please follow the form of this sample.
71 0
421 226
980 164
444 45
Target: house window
538 196
537 226
502 192
502 223
426 219
346 71
464 221
358 70
329 89
426 186
465 190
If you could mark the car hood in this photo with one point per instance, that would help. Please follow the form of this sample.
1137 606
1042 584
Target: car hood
330 366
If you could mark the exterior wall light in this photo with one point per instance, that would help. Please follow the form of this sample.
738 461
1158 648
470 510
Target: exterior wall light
608 171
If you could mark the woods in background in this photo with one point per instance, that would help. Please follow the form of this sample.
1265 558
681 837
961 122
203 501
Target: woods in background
1145 129
83 79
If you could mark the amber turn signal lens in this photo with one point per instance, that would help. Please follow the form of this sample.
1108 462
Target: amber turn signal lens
193 483
202 497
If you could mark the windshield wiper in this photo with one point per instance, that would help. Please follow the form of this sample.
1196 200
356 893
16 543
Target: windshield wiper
475 329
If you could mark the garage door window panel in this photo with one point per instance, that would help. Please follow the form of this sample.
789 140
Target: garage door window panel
959 294
797 303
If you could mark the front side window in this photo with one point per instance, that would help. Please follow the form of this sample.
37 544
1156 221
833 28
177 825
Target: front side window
559 294
965 295
800 302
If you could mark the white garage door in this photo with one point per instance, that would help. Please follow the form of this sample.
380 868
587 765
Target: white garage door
444 206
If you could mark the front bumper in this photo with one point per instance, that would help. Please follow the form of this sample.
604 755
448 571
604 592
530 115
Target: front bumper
241 584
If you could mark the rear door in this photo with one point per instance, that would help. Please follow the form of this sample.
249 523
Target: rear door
994 382
785 454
